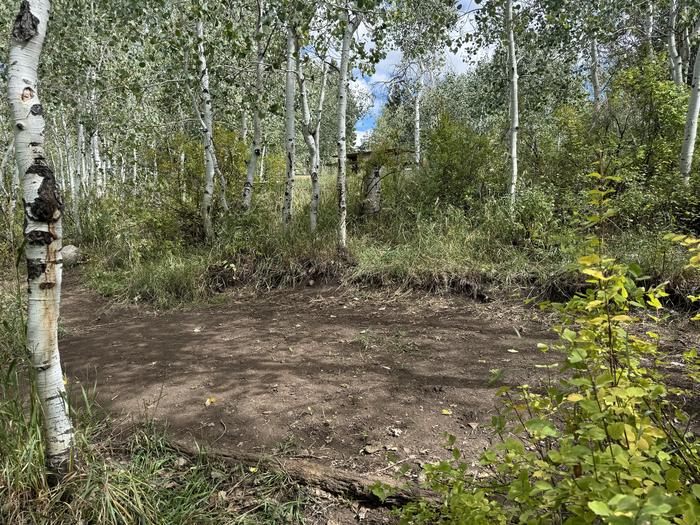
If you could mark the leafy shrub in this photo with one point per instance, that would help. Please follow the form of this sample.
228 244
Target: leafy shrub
604 444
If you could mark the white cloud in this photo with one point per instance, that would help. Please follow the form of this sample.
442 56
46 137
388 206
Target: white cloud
361 137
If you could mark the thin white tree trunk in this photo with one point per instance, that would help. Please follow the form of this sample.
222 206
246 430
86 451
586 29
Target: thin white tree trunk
685 55
43 229
417 117
244 125
649 30
674 55
263 156
311 134
9 153
207 134
289 128
514 109
255 150
98 165
82 162
691 123
595 74
372 191
348 32
14 190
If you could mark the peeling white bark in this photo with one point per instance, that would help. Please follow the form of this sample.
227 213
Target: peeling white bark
348 32
649 30
207 132
289 128
514 109
312 133
416 116
255 150
82 161
595 74
43 229
691 123
674 55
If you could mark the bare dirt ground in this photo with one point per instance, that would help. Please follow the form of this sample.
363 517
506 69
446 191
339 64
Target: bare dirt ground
346 378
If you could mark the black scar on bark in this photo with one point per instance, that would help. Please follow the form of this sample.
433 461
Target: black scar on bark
35 268
39 238
37 109
26 25
47 207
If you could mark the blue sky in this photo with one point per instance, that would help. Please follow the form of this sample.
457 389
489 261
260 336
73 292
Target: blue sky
374 83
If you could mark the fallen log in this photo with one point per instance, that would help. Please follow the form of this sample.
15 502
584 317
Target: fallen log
337 482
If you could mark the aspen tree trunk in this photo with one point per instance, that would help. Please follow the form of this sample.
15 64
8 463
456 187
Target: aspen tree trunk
183 196
14 191
319 114
263 156
43 230
691 123
649 30
349 30
311 134
244 125
595 74
82 164
674 55
289 128
416 117
207 132
685 55
257 128
514 110
74 192
98 166
372 190
134 166
9 153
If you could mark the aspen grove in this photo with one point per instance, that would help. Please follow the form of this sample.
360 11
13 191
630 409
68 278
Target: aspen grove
280 261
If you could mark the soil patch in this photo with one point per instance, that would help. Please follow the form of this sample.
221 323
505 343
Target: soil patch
352 379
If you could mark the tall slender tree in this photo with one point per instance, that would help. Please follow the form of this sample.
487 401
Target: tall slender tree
43 230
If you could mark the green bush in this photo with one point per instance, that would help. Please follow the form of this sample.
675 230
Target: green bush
604 444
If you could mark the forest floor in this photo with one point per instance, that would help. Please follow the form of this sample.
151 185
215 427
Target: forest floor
364 381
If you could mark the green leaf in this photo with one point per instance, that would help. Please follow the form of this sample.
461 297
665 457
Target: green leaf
600 508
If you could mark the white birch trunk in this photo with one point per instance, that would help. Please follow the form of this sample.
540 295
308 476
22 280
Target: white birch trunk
257 127
372 191
685 54
311 134
289 128
43 229
417 118
98 166
14 190
9 153
649 30
207 132
691 123
674 55
244 125
349 30
82 163
595 74
514 109
263 156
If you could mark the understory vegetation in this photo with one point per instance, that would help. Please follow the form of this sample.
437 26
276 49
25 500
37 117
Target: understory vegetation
184 149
